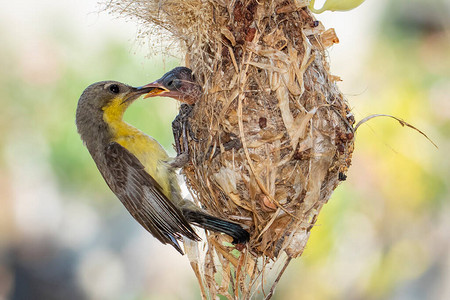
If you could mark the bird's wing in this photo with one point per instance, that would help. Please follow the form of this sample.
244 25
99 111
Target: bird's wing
143 197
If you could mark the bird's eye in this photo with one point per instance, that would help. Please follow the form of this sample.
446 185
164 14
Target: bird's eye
114 88
170 83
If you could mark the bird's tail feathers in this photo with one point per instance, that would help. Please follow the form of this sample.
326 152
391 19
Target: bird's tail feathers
212 223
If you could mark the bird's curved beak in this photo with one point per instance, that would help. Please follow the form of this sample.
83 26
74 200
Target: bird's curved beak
136 92
155 89
141 90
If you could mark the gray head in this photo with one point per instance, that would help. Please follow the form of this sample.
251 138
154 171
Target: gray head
179 84
101 101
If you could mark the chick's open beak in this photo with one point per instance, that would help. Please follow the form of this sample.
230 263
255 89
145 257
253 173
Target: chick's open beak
155 89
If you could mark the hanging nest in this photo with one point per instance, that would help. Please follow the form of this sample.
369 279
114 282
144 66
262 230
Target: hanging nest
274 133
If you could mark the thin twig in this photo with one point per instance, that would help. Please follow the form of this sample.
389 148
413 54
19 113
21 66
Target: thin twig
402 122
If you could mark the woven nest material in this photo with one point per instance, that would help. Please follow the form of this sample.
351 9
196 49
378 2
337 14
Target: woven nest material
275 135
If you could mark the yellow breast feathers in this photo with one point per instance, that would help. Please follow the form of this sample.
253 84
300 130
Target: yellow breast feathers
147 150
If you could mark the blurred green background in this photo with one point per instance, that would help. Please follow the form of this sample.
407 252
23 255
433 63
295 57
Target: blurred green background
63 235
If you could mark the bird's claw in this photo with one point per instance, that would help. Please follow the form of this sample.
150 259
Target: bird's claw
191 133
180 161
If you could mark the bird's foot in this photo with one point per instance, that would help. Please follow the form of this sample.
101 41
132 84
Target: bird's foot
180 161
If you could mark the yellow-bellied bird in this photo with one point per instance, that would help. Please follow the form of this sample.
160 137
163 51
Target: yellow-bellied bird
138 170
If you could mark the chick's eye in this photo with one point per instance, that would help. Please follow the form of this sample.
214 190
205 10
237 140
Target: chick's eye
114 88
170 83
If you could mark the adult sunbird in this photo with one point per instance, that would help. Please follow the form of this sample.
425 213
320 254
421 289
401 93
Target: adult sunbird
137 168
